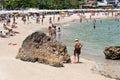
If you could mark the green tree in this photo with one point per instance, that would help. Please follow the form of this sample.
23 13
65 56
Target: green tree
42 4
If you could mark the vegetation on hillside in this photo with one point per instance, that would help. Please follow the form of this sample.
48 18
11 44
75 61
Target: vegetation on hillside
41 4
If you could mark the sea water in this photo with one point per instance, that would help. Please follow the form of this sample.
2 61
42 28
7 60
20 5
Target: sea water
94 40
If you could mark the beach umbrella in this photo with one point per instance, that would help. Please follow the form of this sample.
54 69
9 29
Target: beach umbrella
62 12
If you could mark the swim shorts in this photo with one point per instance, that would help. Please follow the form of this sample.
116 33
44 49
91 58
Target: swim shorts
77 51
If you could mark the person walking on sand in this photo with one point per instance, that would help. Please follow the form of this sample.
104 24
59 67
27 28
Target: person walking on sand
77 50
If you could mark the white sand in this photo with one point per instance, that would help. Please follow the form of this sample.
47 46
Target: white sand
15 69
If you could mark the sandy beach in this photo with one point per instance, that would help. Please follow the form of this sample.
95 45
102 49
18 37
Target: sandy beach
15 69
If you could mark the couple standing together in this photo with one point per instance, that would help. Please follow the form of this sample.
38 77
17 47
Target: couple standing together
77 50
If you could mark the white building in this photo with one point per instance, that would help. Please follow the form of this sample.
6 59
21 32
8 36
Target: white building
102 3
106 2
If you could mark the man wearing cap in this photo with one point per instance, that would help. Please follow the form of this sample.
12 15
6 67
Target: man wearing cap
77 50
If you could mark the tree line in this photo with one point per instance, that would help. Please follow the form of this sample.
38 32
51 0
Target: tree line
41 4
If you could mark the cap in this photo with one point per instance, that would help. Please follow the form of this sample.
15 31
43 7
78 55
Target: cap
76 39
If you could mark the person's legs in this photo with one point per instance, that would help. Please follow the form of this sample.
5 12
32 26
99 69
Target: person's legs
78 54
78 57
74 57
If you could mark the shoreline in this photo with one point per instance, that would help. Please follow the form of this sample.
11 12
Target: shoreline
19 70
112 73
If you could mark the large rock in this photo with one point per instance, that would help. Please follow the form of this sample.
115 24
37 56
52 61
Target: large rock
112 52
41 48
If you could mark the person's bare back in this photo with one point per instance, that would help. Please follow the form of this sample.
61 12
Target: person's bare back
77 50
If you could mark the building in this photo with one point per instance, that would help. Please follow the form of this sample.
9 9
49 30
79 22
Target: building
114 3
89 4
104 3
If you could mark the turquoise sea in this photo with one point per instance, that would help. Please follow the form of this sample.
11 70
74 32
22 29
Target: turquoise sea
106 33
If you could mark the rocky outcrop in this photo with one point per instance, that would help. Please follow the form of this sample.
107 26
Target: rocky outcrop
112 52
38 47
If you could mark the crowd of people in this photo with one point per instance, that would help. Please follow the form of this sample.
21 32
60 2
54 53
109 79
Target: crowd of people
54 33
9 26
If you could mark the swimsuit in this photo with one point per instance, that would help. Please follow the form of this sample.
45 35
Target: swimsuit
77 51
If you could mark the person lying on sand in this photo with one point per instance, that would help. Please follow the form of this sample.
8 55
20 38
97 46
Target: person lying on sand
11 32
3 35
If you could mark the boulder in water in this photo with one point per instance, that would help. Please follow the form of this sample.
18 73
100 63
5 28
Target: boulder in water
112 52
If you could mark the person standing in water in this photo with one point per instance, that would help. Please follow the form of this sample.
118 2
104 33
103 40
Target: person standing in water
77 50
80 19
94 23
59 33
